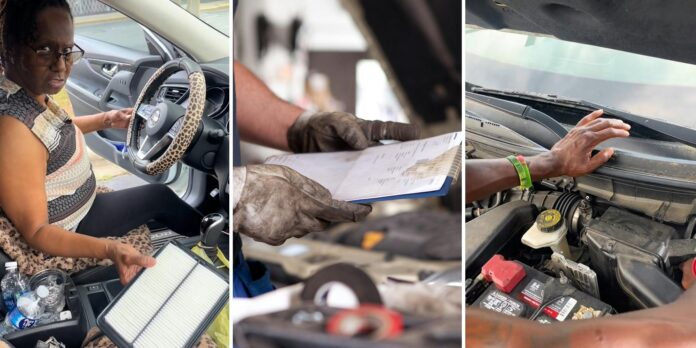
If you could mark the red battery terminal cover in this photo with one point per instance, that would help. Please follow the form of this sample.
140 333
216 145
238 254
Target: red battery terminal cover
505 275
689 273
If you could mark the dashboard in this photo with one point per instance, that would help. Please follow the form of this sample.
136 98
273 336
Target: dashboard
217 100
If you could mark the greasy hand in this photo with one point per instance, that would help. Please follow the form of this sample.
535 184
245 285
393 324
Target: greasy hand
277 203
572 155
340 131
118 118
128 260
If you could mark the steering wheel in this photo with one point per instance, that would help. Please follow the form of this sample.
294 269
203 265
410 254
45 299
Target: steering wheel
160 132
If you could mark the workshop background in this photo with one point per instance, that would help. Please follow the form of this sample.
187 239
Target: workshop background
332 55
311 53
390 60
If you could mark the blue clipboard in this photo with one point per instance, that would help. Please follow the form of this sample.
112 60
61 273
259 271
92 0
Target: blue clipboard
437 193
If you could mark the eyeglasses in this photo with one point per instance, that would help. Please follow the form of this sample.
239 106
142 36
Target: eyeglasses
47 56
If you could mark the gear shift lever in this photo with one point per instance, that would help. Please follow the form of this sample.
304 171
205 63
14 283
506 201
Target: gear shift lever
211 228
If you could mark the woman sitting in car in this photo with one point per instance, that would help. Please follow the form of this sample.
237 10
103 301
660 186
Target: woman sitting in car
48 191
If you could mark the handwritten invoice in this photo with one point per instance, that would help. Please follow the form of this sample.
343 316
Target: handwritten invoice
409 167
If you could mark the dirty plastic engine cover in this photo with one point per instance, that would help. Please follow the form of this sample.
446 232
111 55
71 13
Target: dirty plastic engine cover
629 254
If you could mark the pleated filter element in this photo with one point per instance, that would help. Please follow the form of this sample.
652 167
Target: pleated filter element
169 305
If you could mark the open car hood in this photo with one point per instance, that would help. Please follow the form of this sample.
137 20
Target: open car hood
649 27
419 45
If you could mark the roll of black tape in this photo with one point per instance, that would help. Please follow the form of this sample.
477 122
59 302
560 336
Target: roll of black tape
354 278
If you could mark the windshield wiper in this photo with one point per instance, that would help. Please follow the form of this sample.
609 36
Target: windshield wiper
667 130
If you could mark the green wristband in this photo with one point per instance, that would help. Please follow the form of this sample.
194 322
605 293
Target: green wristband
522 171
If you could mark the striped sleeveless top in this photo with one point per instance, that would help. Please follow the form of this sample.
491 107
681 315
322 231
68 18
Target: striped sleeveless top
70 182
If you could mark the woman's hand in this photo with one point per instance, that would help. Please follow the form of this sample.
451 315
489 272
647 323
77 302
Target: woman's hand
127 259
118 118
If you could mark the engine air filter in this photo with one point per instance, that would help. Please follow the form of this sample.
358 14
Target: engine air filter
168 305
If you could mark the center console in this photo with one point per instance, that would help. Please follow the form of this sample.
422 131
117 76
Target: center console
85 302
70 332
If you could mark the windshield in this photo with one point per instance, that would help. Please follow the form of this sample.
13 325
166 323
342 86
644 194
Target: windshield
97 20
646 86
215 13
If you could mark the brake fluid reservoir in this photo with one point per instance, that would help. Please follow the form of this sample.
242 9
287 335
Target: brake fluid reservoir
549 230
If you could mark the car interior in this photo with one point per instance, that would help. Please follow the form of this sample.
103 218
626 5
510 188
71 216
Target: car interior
111 76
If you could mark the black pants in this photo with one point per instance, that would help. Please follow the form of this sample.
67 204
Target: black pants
116 213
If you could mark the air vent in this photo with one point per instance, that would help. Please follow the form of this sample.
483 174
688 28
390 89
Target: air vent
173 94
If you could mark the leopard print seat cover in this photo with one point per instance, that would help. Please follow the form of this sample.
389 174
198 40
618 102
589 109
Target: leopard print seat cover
32 261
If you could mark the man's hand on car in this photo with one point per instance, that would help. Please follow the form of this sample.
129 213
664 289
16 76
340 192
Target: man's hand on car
273 203
341 131
572 155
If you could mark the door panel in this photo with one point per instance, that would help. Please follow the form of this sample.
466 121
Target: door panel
111 77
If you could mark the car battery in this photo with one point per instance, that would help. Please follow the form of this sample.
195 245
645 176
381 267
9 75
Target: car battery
519 290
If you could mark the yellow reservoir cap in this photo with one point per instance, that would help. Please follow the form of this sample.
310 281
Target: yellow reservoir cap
549 220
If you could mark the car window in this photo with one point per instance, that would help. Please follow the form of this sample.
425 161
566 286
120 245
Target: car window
215 13
101 22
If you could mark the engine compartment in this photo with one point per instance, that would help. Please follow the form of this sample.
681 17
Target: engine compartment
559 254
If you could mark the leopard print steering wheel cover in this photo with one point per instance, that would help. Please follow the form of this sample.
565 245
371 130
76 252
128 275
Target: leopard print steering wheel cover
191 119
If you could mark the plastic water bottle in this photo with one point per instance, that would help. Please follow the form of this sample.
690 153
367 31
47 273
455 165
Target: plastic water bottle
28 311
13 285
